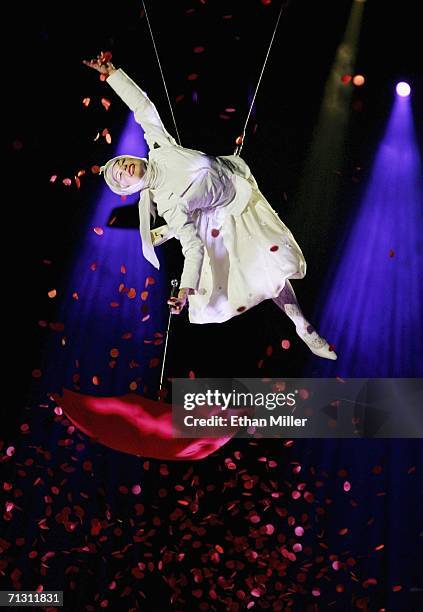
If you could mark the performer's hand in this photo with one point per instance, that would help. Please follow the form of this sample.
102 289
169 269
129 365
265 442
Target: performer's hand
178 303
101 64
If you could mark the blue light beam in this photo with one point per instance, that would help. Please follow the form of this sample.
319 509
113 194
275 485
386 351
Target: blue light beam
373 309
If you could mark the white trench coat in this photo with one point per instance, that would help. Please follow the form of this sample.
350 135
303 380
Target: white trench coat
237 250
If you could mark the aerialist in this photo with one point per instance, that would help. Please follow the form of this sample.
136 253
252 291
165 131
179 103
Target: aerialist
237 251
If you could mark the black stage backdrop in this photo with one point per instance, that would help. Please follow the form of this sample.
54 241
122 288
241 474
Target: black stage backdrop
223 533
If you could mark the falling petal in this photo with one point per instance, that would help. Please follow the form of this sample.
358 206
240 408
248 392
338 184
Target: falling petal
106 103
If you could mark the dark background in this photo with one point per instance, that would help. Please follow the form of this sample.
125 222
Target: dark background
47 131
50 132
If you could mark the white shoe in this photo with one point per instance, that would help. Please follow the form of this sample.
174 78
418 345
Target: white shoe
317 345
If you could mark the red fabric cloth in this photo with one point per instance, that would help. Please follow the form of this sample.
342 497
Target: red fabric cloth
136 425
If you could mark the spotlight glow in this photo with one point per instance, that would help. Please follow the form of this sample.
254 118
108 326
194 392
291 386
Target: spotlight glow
403 89
359 80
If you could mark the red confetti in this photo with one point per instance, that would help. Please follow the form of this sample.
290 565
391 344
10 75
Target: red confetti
86 101
98 230
52 293
95 169
198 49
215 233
192 77
285 344
106 103
67 182
347 486
106 56
53 178
274 248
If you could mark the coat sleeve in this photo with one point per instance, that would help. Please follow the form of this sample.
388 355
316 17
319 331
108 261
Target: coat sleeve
177 217
145 112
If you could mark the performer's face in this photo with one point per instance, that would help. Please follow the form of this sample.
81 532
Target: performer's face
128 170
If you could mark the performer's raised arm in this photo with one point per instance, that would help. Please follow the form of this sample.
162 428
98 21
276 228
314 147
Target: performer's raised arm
136 99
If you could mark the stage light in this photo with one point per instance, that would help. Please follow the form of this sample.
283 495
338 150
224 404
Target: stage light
403 89
359 80
361 300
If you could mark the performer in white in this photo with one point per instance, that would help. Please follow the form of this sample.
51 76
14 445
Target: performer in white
237 251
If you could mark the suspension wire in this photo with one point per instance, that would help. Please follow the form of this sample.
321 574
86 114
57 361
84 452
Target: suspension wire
237 150
240 139
161 71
